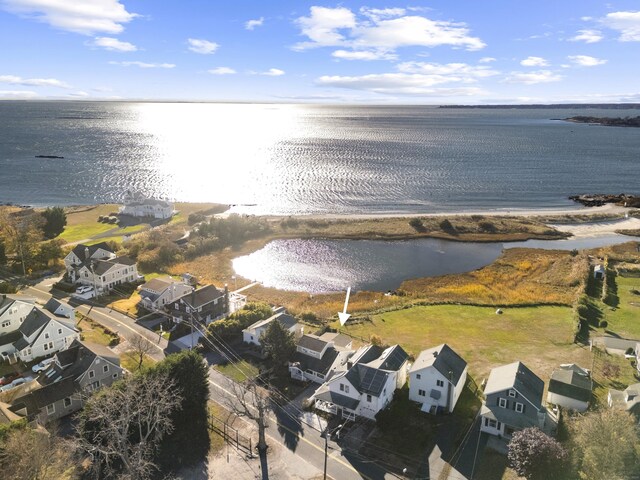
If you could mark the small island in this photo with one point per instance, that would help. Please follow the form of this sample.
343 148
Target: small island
607 121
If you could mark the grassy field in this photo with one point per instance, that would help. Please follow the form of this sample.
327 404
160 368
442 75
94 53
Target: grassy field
518 276
625 319
238 372
540 337
92 332
129 361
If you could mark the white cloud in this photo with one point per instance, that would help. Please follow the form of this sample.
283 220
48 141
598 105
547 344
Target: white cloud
143 64
532 78
451 72
486 60
397 83
273 72
113 44
251 24
416 78
586 60
86 16
534 62
222 71
32 82
363 55
205 47
380 30
18 94
627 23
587 36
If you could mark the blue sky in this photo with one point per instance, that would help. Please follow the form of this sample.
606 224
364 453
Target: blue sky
445 51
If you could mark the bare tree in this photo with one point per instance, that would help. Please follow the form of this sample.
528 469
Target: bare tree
34 454
140 347
252 402
121 426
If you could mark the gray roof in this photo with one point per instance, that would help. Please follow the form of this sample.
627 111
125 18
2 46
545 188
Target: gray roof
286 320
75 361
367 379
338 339
628 399
53 304
325 394
508 417
618 343
444 360
80 249
312 342
157 284
36 319
320 365
392 358
102 266
366 354
518 377
202 296
571 381
37 399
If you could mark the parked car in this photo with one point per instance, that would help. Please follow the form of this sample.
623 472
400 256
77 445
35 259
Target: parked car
38 367
84 289
15 383
8 378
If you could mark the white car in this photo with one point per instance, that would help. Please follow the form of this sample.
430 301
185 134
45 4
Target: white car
38 367
84 289
15 383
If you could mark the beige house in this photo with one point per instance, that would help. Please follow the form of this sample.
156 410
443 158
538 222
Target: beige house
157 293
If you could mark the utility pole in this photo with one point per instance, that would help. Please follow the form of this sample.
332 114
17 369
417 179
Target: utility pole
327 434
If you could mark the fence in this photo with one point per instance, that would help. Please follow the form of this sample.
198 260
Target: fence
230 434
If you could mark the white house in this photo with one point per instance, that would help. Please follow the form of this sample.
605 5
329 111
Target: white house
599 272
513 401
366 386
317 357
43 334
60 309
83 253
253 333
138 206
13 311
570 387
157 293
61 389
627 399
436 379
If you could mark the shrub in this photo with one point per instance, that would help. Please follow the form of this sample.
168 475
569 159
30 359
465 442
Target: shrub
8 287
417 224
447 226
536 456
603 324
487 227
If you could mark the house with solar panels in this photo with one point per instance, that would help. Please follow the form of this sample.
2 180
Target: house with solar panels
436 379
366 383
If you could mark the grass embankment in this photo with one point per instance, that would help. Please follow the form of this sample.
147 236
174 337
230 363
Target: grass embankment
541 337
92 332
238 371
518 276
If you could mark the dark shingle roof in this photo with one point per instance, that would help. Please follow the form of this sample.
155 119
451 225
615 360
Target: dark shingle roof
517 376
202 296
367 379
102 266
572 383
312 342
320 365
391 359
37 399
80 250
34 322
444 361
325 394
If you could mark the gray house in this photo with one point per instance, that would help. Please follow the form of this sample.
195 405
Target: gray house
61 389
513 401
570 387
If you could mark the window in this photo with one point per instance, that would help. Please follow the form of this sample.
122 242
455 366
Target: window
418 376
342 387
519 407
422 393
51 409
512 393
6 324
59 331
105 368
92 373
502 402
67 402
488 422
46 336
115 375
440 383
368 398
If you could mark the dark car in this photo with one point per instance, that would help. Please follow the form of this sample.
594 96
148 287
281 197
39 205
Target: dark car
8 378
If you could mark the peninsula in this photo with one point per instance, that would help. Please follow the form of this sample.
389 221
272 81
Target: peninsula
607 121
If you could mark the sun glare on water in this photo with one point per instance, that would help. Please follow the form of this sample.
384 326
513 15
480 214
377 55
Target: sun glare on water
215 152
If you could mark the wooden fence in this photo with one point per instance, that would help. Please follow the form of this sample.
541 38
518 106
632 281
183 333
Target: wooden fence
230 434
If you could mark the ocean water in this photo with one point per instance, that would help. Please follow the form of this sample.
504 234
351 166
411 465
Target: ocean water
301 159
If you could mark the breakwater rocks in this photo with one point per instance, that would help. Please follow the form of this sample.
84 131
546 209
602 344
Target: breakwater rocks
600 199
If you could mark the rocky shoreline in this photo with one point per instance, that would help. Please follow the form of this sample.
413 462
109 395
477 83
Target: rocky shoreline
599 199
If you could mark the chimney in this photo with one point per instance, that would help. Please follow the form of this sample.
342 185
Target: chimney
86 253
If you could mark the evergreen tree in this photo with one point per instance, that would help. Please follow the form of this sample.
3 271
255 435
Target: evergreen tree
55 221
279 346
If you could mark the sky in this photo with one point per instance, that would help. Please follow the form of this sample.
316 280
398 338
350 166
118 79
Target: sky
372 52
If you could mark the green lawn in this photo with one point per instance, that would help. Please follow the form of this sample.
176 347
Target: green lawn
625 319
130 361
239 371
92 332
73 233
541 337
